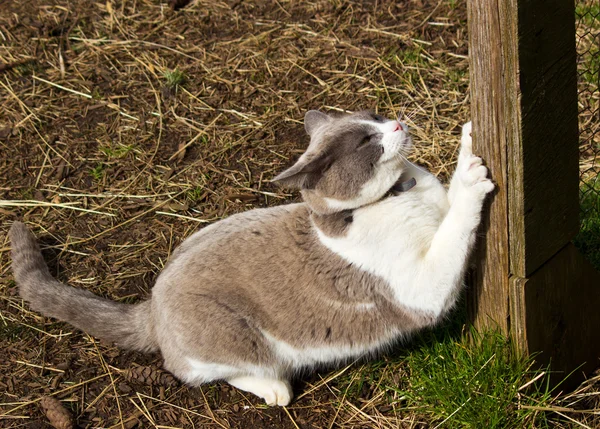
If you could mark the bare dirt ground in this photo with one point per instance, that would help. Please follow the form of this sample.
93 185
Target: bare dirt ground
125 126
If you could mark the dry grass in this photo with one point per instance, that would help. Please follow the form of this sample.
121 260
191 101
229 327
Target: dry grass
114 160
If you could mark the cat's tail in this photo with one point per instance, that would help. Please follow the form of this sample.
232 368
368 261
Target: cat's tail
130 326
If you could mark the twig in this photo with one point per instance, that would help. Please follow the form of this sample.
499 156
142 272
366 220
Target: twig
34 203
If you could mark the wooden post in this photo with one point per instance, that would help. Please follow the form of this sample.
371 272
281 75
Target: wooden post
530 281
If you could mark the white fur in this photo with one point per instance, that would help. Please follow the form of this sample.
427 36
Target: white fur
416 241
202 372
308 357
272 390
392 140
466 151
361 306
365 306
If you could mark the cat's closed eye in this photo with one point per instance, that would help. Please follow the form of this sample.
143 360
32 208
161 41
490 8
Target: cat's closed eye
377 118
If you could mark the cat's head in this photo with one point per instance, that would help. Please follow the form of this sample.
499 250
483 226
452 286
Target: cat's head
352 160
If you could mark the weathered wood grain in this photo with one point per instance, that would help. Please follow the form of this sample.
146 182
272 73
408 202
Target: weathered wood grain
556 312
530 280
492 39
543 167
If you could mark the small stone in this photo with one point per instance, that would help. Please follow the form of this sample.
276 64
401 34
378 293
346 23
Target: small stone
63 366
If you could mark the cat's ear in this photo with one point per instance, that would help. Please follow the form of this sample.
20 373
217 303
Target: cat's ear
305 173
313 120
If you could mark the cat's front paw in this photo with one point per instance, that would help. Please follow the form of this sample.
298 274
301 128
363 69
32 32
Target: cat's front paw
466 140
474 176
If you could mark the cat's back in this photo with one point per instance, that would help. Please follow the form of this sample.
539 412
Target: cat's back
245 244
247 229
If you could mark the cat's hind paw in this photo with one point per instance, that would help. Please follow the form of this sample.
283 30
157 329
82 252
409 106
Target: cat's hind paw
274 392
280 393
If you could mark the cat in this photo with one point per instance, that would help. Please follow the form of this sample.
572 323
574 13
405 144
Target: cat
376 251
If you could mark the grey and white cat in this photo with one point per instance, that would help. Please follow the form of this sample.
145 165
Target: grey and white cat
377 251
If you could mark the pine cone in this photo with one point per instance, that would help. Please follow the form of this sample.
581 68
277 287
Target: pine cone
150 375
56 413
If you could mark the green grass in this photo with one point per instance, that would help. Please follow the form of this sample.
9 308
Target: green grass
591 65
455 378
473 382
589 12
453 4
97 172
96 94
27 193
13 332
28 68
588 239
118 151
458 75
196 193
174 78
409 56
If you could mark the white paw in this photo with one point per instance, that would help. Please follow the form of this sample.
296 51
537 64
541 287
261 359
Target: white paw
466 140
274 392
475 176
278 393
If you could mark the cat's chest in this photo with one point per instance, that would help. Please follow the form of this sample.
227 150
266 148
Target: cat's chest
410 215
394 234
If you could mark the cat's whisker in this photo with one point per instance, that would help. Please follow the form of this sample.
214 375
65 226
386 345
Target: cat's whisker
412 114
402 113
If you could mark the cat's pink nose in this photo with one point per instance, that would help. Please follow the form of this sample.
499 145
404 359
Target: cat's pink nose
398 127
